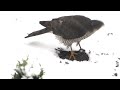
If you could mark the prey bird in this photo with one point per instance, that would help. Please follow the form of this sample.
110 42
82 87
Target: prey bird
70 29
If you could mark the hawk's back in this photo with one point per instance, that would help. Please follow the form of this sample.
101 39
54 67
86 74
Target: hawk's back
72 27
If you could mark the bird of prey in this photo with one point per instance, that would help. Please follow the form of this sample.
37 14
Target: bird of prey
69 29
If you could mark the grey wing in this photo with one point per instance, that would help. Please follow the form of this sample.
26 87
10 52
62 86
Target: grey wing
73 32
45 23
86 22
70 30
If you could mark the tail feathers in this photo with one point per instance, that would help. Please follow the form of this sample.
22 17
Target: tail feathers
35 33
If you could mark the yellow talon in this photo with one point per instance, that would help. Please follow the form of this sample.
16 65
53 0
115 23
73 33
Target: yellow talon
72 55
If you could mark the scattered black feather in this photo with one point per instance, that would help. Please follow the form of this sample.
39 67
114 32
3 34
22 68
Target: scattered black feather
80 56
115 74
110 34
117 64
66 63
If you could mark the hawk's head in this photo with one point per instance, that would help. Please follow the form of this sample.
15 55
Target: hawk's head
97 24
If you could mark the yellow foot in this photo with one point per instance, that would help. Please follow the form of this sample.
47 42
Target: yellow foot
72 55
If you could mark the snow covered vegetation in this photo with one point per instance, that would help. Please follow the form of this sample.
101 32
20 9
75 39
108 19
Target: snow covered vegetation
26 71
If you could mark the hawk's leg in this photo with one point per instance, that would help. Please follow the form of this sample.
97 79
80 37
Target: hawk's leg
78 43
72 54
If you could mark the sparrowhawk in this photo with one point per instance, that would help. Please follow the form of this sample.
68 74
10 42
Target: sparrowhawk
70 29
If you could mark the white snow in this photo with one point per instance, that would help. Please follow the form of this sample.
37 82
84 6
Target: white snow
14 26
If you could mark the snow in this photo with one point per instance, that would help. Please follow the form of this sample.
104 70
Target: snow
103 46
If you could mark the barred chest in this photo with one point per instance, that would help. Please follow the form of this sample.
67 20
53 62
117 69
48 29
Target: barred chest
69 42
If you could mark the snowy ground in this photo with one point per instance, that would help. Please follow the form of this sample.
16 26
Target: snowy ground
102 47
